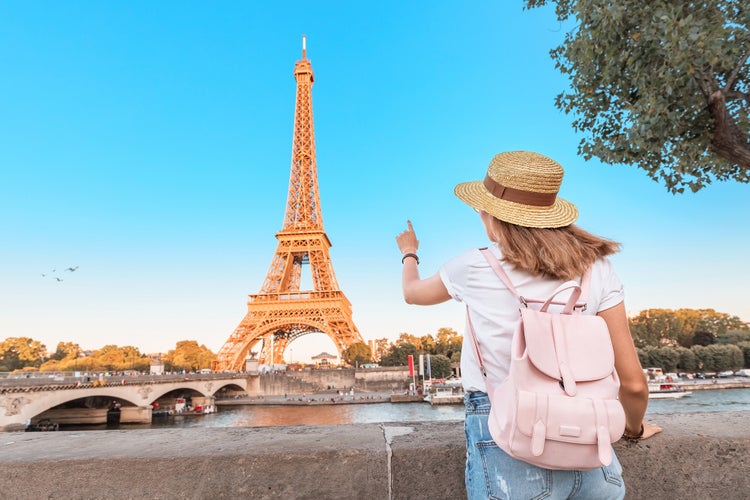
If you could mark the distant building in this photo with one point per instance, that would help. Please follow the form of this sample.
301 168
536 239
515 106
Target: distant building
157 365
324 359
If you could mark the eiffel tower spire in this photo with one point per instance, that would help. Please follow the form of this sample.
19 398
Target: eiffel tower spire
303 202
281 312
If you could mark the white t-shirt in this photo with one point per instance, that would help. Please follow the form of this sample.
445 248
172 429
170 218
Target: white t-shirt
495 310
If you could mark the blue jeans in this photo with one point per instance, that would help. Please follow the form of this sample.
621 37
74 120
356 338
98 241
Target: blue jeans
493 474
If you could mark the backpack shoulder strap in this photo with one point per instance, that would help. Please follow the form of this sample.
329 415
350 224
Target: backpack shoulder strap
495 265
477 352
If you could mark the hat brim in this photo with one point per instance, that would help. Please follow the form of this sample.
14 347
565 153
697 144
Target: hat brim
561 213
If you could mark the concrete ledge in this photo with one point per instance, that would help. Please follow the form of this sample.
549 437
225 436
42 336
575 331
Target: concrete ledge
702 456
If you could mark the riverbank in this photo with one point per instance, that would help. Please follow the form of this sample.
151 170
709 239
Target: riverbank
713 384
323 398
335 398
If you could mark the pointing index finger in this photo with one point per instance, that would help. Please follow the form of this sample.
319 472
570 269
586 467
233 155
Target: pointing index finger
408 224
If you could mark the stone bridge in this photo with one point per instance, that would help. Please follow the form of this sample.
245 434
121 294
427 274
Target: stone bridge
21 400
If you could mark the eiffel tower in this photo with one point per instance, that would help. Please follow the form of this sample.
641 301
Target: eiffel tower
281 312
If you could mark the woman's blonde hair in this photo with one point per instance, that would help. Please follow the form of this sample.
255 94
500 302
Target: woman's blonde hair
561 253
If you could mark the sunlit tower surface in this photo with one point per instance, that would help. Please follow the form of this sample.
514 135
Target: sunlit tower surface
281 312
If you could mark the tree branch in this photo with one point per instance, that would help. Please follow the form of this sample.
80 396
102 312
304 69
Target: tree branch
706 80
733 94
727 140
735 72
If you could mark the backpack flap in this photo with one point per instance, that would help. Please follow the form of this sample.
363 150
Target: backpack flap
568 347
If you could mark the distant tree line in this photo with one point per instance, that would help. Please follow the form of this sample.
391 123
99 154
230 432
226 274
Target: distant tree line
691 340
23 353
682 327
444 350
682 339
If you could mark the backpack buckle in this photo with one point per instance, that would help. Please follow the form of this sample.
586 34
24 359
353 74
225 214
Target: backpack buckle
580 308
523 301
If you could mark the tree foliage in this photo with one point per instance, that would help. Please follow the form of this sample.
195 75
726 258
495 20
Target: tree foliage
17 353
447 342
745 348
661 85
188 355
712 358
688 361
643 355
381 348
356 354
703 338
398 355
440 366
656 327
20 352
717 358
733 337
666 358
65 350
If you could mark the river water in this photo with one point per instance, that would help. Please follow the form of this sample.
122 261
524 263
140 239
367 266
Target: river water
286 415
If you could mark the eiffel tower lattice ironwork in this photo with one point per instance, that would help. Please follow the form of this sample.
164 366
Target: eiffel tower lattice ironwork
281 312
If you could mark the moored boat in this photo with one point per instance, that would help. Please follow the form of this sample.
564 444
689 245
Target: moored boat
445 396
666 390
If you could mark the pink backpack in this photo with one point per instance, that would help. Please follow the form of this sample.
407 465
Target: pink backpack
558 407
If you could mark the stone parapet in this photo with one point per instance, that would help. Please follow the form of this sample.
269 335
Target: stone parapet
702 456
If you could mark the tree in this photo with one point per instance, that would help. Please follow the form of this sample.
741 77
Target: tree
643 355
718 358
705 320
406 338
110 358
671 327
381 347
733 337
65 350
661 85
703 338
21 352
428 344
357 354
440 366
188 355
666 358
688 361
654 327
398 354
449 342
745 348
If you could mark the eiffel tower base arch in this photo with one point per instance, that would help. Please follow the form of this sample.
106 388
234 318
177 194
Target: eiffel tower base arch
275 322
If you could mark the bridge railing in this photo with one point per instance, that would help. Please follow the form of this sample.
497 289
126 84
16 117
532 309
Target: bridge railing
36 379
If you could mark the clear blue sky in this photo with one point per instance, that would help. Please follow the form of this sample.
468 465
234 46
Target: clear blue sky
149 144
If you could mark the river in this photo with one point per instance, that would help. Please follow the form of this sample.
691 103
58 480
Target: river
286 415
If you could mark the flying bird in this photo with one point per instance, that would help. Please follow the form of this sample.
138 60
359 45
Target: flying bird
71 269
58 279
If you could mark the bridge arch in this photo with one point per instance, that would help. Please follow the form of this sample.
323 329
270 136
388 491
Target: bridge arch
19 405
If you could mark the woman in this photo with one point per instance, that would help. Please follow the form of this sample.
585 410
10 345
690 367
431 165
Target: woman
539 249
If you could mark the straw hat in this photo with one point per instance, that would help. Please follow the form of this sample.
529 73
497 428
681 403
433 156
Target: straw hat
521 188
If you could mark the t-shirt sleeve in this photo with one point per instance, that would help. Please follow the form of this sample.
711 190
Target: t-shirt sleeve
454 276
611 286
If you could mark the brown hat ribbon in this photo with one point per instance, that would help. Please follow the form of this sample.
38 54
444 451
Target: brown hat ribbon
518 195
